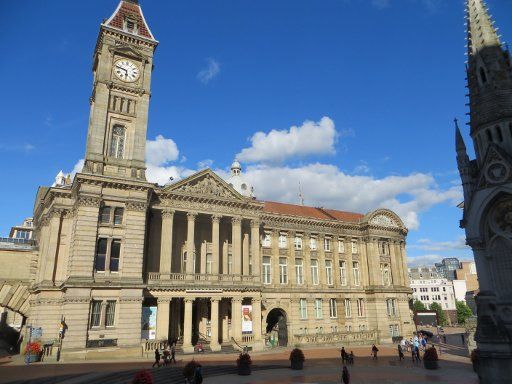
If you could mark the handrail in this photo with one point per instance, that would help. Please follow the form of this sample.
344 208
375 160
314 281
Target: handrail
243 349
204 337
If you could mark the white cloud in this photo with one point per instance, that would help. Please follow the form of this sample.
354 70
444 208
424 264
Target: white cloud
161 151
429 245
311 138
326 185
427 260
206 163
211 71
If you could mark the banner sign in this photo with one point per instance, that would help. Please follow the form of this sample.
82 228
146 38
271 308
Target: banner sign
148 323
246 318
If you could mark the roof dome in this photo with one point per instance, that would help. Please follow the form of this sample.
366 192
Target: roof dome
238 182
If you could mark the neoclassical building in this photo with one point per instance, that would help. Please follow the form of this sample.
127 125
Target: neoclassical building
123 260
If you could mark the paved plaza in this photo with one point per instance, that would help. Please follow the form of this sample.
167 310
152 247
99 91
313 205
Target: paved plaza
322 365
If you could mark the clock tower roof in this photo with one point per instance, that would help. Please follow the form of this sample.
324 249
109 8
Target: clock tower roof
128 17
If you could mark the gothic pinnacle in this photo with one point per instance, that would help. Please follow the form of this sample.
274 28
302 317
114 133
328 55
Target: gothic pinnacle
481 32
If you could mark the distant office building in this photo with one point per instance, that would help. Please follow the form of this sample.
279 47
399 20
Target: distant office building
23 231
447 267
430 287
467 272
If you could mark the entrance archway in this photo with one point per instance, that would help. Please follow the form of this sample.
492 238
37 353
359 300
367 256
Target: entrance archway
276 324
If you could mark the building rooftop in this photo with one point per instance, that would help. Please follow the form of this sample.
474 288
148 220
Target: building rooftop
311 212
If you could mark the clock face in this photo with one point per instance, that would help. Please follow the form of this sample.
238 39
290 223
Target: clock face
126 70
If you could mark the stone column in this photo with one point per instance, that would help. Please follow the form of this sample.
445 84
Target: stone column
256 318
187 326
396 278
225 321
274 259
215 245
162 319
53 245
166 242
236 318
291 258
191 218
214 324
321 260
236 238
404 263
336 261
245 254
255 248
306 252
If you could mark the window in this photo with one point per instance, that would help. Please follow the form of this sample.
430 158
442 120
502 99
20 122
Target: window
230 264
483 76
391 307
343 272
341 246
250 264
303 307
318 309
394 331
360 308
314 271
115 252
267 240
20 234
383 248
105 215
312 243
117 142
130 25
327 244
283 270
333 308
348 308
95 313
328 271
118 215
110 313
354 246
209 261
348 328
282 241
355 271
362 327
266 270
299 271
101 255
297 242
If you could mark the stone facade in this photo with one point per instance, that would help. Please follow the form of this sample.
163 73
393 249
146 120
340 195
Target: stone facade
487 184
111 244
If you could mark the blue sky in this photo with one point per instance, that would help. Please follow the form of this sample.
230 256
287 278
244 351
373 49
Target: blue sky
373 86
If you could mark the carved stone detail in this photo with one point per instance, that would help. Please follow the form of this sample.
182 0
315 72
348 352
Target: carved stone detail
136 206
206 186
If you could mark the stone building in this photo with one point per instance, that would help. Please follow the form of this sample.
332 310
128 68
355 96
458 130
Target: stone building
203 256
429 286
487 185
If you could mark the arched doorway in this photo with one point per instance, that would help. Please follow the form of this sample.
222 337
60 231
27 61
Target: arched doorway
276 323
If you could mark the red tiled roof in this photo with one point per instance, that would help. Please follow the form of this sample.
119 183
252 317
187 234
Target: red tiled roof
125 9
315 213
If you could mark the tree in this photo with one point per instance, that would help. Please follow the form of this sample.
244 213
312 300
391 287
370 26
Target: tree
463 311
418 306
441 316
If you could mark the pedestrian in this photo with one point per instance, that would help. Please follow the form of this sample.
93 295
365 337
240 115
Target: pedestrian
345 375
157 358
400 352
351 357
413 355
173 353
374 352
198 376
417 353
424 343
167 356
343 355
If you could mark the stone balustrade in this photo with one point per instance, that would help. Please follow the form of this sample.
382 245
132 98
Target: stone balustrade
198 278
347 338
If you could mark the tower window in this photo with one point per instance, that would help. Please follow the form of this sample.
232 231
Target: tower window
498 132
483 76
489 135
117 141
130 25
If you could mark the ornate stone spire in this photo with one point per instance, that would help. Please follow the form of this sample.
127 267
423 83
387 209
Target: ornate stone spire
481 32
459 141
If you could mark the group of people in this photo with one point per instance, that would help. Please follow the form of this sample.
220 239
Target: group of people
169 355
347 358
414 345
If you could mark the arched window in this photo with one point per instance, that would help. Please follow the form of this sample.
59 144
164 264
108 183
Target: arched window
489 135
498 132
117 141
483 76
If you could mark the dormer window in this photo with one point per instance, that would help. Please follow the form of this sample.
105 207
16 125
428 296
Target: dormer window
130 25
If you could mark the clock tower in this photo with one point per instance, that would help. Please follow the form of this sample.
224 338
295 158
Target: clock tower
122 66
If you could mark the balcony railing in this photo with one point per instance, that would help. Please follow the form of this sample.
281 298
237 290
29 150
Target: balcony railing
347 338
198 278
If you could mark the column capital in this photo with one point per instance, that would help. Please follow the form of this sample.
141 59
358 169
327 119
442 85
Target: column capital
255 223
168 213
214 299
161 300
236 299
216 218
236 219
275 232
188 300
191 215
256 299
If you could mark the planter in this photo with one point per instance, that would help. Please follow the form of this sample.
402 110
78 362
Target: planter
430 364
297 364
31 358
244 370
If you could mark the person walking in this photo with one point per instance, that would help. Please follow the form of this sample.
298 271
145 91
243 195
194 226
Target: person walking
173 353
343 355
198 376
157 358
374 352
345 375
400 352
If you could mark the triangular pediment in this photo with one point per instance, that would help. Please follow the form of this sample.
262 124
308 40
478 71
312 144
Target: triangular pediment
496 168
129 51
205 183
